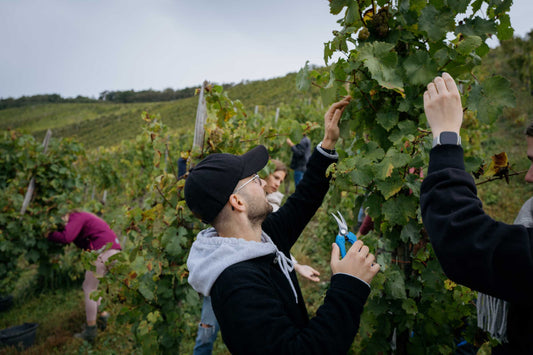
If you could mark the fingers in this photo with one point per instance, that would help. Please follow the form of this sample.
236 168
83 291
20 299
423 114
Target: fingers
313 271
337 116
335 252
356 246
440 85
449 82
432 90
339 105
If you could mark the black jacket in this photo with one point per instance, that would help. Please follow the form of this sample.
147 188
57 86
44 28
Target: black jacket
475 250
255 305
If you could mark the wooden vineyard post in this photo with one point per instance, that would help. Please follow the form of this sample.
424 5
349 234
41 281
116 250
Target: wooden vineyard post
201 117
31 186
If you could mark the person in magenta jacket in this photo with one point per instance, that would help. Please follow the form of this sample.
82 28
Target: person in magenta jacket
89 232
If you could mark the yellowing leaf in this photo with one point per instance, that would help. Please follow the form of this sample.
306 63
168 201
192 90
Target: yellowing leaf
498 166
367 17
390 168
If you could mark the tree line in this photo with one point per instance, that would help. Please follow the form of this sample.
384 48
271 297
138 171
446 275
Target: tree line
126 96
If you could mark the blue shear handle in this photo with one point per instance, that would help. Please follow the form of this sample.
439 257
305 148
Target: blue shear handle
341 242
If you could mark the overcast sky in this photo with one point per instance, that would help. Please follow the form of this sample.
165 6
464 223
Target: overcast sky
83 47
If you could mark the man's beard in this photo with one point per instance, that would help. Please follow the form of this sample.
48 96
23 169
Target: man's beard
259 211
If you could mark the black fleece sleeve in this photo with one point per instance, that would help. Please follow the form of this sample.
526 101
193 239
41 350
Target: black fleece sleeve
473 249
254 320
286 225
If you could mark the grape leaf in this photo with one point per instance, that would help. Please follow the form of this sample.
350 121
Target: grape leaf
387 119
381 61
395 284
419 68
400 209
390 186
436 23
336 6
303 81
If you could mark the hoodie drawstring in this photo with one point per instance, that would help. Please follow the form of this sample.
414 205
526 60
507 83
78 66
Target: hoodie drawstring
286 265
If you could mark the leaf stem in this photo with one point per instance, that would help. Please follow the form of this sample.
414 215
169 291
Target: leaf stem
163 196
366 98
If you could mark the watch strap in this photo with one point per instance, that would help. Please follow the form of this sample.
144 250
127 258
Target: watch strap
447 137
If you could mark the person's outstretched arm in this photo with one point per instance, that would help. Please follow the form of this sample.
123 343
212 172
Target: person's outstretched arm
473 249
258 315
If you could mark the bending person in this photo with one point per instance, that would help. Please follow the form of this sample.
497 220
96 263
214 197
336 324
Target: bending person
89 232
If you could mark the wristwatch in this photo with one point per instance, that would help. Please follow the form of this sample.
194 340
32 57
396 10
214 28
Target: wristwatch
447 138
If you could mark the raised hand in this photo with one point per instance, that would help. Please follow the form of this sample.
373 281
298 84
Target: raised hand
442 104
331 123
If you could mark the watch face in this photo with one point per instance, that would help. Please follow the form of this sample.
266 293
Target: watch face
449 138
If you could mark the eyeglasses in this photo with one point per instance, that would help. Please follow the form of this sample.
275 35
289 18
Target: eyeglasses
255 177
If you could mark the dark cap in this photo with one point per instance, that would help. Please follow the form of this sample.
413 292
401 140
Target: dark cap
211 182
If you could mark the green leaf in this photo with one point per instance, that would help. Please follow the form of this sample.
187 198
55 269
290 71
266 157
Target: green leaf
171 242
397 158
147 287
328 96
400 209
505 31
395 285
352 14
381 61
153 317
387 119
362 175
405 129
303 81
336 6
436 23
476 5
468 44
328 52
419 68
409 306
384 169
390 186
459 6
374 202
483 50
410 232
373 152
472 163
476 27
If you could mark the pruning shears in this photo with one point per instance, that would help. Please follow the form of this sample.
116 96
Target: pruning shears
344 234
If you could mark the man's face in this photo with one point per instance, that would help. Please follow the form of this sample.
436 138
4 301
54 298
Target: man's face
529 174
274 180
255 197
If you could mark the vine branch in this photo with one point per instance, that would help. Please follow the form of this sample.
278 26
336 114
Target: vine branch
500 177
163 196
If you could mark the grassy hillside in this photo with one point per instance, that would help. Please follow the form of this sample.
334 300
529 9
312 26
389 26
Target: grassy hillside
104 123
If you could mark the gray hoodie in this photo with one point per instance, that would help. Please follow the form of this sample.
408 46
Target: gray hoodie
211 254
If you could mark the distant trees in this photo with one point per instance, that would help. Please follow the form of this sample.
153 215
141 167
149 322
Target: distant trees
148 95
128 96
514 59
39 99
